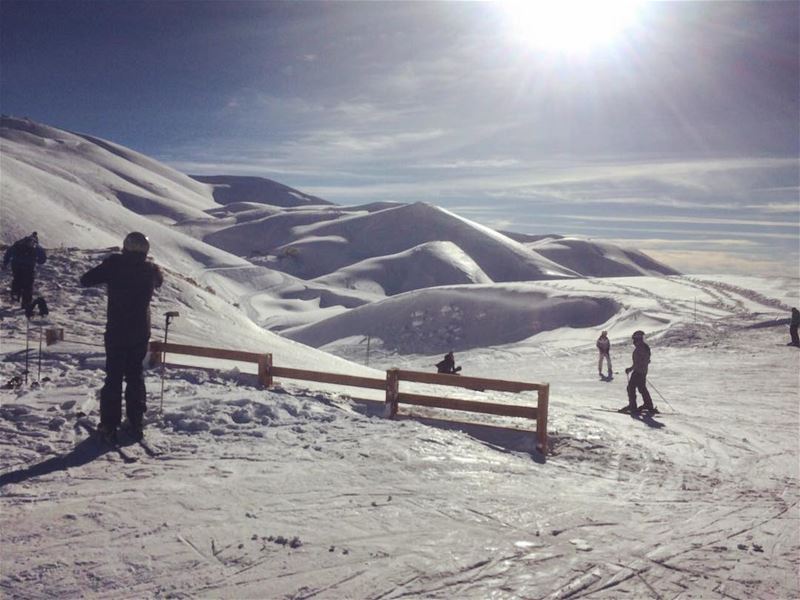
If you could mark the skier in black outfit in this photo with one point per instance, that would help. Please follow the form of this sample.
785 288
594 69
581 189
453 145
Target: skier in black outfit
131 280
24 255
447 364
793 325
638 378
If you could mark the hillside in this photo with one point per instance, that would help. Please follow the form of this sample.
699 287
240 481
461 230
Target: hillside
77 190
303 490
229 189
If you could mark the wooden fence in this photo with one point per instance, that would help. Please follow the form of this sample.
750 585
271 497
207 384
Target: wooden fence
390 385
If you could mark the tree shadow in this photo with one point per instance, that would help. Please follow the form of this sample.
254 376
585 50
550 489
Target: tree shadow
85 452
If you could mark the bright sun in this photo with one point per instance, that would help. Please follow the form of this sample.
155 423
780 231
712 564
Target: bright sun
570 25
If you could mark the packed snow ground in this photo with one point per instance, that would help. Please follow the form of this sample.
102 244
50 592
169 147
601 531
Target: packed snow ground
302 491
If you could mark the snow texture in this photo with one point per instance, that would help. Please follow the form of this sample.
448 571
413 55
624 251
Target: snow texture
305 490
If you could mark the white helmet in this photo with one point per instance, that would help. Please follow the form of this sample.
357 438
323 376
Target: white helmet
136 242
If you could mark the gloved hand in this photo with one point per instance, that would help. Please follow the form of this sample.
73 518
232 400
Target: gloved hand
627 371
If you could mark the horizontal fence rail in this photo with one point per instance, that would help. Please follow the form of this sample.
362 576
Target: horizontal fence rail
351 380
391 385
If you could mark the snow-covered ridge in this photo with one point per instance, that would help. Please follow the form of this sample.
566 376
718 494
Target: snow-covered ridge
48 171
599 259
287 259
228 189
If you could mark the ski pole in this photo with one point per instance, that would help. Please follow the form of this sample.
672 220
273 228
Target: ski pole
169 315
661 395
39 372
27 347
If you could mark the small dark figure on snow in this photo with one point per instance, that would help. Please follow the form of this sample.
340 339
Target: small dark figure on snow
604 348
131 281
24 255
448 364
638 376
793 325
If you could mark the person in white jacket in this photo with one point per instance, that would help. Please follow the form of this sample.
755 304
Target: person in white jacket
604 348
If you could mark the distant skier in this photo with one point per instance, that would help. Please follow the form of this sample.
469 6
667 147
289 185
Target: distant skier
448 364
604 348
24 255
638 378
131 280
793 325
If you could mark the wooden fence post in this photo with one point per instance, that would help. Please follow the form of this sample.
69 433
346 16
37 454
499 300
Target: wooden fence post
392 392
156 354
541 418
265 370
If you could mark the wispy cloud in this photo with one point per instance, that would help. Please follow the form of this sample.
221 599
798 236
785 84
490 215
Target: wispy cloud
688 220
332 141
708 261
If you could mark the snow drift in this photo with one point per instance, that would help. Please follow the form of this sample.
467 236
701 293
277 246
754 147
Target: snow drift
459 318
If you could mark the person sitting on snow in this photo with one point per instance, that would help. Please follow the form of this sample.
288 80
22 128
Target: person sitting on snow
638 376
448 364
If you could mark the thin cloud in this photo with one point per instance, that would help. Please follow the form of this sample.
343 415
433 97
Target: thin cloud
693 220
705 261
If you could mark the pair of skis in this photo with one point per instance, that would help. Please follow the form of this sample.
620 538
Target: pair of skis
638 413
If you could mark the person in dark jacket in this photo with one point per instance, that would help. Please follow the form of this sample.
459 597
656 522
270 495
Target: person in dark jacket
24 255
793 325
448 364
131 281
638 375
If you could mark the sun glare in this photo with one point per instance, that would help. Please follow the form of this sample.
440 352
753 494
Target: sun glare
570 25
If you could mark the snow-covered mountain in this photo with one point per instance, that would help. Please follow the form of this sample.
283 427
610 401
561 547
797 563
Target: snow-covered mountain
48 171
229 189
80 191
304 490
287 258
593 258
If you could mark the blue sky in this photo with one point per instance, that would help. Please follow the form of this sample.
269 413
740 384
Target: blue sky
679 135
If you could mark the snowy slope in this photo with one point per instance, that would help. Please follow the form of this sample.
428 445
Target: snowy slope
599 259
228 189
304 490
76 174
444 264
75 190
439 319
301 492
80 191
325 247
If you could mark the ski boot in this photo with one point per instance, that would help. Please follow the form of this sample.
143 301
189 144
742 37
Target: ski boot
107 433
135 430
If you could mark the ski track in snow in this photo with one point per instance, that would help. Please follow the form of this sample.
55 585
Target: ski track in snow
298 492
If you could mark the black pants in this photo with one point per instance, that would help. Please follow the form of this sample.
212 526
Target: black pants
638 381
124 361
793 334
22 286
